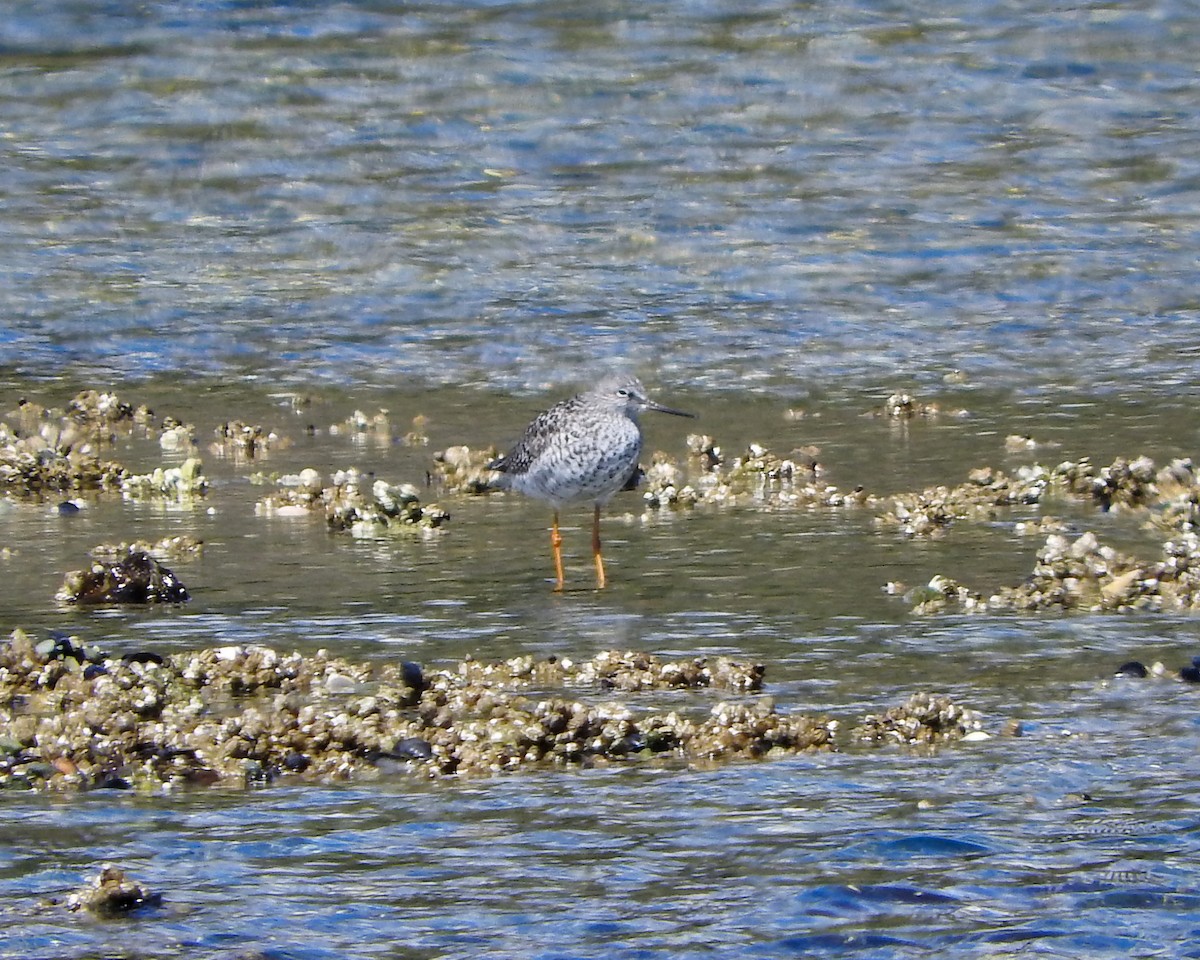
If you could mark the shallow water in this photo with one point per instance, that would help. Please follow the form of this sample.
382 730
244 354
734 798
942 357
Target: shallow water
755 196
1077 839
462 210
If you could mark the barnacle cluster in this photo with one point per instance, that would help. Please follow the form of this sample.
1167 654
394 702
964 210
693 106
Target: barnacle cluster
74 719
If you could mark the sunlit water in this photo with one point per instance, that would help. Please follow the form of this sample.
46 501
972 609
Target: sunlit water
459 211
751 195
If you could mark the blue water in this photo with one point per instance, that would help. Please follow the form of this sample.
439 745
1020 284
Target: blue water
768 196
461 209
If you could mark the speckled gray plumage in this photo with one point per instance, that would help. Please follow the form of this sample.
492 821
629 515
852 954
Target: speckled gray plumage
582 450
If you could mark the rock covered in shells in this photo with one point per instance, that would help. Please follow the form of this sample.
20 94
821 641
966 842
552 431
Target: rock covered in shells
904 406
244 441
232 714
763 477
924 718
134 577
182 484
940 594
386 510
179 547
113 894
53 458
666 485
460 469
176 436
1178 507
929 512
741 730
1124 483
704 451
250 715
365 428
631 670
105 409
1085 574
624 670
297 494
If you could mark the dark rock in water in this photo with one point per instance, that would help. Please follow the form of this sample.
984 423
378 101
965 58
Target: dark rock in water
143 656
296 762
60 646
110 781
412 748
411 674
1190 674
1134 668
68 509
112 894
135 578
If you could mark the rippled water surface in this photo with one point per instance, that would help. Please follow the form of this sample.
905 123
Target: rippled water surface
777 213
741 194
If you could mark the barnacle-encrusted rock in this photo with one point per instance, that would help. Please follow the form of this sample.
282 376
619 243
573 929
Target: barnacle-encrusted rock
904 406
183 483
666 485
244 715
940 593
924 718
104 409
53 458
1123 483
244 441
624 670
754 730
112 894
631 670
463 470
704 451
363 428
763 477
177 436
180 546
297 494
387 510
1085 574
928 512
134 577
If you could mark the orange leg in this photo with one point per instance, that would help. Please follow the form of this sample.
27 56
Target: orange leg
600 581
556 545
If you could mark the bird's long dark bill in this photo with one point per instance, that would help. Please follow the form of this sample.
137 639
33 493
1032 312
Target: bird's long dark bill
658 407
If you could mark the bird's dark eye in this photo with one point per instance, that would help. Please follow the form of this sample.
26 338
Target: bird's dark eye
622 392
